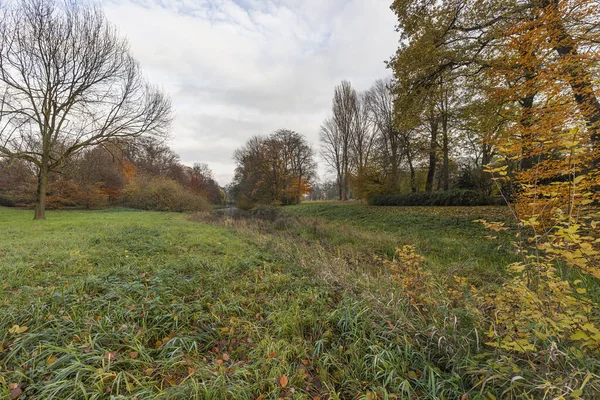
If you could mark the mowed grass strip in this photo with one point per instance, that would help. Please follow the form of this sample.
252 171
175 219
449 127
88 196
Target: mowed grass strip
117 304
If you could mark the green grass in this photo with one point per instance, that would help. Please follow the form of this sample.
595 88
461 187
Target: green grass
122 304
447 236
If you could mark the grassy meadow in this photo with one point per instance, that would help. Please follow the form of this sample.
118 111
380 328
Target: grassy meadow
121 304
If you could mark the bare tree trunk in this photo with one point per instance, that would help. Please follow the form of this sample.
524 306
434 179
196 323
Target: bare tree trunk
395 168
42 188
413 182
345 185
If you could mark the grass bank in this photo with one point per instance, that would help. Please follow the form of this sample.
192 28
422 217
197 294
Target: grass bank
119 304
447 236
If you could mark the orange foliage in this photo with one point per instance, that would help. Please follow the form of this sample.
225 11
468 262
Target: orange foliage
551 149
128 170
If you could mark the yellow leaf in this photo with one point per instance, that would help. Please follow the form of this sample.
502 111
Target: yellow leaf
590 328
17 330
579 335
581 290
51 360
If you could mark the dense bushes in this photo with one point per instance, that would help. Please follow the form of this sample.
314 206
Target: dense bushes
161 194
454 197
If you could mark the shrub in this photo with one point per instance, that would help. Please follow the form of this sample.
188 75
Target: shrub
455 197
161 194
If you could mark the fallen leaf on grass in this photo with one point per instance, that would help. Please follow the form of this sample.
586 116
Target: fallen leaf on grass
51 360
283 381
133 355
17 330
225 357
15 391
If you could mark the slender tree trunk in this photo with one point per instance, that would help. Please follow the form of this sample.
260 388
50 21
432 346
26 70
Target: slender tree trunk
42 188
486 157
432 154
395 168
346 161
445 149
345 187
413 181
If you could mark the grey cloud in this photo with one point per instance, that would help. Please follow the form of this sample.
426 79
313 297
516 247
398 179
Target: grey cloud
239 68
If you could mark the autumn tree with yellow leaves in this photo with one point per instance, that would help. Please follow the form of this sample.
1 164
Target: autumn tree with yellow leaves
535 65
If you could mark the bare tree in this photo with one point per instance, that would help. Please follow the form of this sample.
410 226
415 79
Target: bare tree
364 136
380 101
332 151
299 160
151 156
67 82
344 117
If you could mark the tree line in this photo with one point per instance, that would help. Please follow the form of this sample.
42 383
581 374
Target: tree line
113 174
373 147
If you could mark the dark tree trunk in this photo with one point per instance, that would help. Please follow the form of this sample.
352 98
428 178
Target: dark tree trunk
528 160
42 188
432 154
395 168
413 181
446 150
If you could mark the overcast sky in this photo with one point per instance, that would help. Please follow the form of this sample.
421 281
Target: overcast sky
238 68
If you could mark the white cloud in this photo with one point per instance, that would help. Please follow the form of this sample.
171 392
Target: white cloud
235 69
